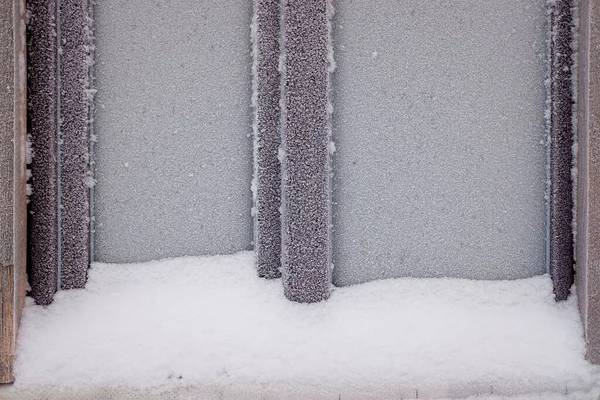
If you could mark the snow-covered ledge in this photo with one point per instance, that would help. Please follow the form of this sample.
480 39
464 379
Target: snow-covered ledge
209 328
588 196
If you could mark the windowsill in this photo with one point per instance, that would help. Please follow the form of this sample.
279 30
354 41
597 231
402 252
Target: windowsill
209 325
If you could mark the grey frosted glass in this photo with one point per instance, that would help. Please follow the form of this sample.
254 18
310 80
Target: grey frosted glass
173 157
439 129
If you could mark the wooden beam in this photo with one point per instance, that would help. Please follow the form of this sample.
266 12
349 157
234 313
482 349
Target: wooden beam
13 179
7 329
588 181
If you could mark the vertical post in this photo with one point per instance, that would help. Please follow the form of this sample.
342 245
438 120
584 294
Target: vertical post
75 96
306 211
561 142
42 113
588 193
13 178
59 46
266 185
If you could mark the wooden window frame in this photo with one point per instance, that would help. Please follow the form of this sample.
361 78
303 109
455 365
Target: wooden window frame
13 178
67 101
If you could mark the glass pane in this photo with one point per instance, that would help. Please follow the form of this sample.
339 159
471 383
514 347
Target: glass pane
439 130
173 157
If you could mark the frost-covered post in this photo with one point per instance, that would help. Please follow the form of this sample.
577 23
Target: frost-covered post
75 167
59 43
306 210
561 142
266 185
42 113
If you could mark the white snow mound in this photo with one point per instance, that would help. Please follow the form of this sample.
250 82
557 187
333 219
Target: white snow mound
211 321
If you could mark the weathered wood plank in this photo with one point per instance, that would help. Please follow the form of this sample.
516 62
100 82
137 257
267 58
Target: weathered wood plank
588 190
20 161
7 327
13 197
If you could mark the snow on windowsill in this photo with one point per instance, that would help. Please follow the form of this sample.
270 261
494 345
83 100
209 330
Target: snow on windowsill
211 322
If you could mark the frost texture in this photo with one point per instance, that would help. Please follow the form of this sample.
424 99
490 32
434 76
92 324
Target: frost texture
29 159
561 149
74 148
266 183
439 167
41 126
306 254
174 95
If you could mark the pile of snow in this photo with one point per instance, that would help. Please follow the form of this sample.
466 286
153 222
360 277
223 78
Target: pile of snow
211 322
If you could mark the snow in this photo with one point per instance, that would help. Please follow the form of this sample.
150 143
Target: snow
210 322
439 115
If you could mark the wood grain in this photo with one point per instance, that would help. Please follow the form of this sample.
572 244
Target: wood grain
7 327
13 180
588 181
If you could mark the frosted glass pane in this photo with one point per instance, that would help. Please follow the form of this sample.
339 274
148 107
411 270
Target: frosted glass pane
174 156
439 128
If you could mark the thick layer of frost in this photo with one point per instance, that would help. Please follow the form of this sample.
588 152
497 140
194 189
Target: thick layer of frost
211 321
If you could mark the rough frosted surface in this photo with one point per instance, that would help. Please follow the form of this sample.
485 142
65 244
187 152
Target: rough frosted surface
561 148
174 156
266 85
74 146
42 104
306 215
439 129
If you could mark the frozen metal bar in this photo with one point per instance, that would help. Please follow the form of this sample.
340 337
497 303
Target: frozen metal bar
561 142
306 209
75 34
59 45
266 186
42 112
